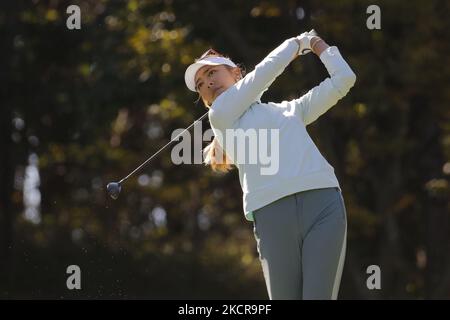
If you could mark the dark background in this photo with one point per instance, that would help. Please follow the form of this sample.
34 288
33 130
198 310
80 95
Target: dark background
81 108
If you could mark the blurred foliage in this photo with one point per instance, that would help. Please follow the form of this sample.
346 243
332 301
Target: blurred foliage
94 103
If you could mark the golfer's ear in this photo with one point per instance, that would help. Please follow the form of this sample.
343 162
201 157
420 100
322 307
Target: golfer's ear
237 73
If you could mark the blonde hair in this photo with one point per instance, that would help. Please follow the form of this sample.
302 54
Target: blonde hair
213 153
216 157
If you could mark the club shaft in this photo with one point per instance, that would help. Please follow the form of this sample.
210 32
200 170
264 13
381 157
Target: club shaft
156 153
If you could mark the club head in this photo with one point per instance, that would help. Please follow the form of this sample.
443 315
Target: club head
113 189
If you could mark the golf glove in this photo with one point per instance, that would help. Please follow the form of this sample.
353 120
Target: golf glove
304 42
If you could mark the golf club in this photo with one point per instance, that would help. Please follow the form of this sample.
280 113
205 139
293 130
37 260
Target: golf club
114 188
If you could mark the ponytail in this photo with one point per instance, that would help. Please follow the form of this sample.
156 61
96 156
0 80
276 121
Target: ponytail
216 157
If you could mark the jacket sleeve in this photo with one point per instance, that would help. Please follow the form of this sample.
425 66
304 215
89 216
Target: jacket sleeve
321 98
233 102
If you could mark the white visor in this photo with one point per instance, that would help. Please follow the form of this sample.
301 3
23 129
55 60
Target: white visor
191 71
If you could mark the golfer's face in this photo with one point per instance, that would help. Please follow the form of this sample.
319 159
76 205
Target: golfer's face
211 81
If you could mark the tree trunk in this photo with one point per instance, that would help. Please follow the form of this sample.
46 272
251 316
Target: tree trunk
6 146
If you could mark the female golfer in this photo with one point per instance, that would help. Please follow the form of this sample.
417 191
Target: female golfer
298 213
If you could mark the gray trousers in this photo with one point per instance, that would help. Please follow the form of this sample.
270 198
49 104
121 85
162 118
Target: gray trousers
301 241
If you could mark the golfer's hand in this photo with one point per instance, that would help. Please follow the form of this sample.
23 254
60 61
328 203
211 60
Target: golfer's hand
304 42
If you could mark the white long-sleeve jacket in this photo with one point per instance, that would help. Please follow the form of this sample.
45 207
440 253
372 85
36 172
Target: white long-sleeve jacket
301 166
